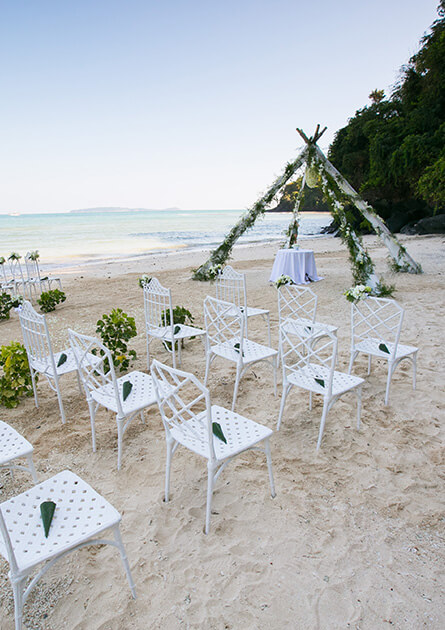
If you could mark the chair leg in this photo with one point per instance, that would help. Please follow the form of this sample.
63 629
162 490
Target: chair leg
414 360
268 330
275 369
34 387
354 354
17 589
369 363
269 467
120 546
79 381
235 390
310 401
59 398
322 423
120 434
91 406
388 382
174 355
168 469
148 352
286 390
32 469
210 481
208 358
179 352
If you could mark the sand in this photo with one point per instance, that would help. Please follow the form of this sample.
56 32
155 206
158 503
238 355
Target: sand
354 537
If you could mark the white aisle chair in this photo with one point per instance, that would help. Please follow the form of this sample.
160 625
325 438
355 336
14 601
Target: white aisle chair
375 326
33 274
224 324
80 517
311 367
300 303
22 286
14 446
230 286
159 320
102 388
189 420
41 357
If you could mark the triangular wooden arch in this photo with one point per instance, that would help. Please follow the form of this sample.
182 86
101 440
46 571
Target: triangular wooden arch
338 192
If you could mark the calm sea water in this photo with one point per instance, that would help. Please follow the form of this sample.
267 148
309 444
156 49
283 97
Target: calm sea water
72 237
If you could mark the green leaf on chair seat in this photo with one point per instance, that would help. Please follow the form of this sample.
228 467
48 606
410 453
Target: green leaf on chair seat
384 348
216 428
237 348
176 330
320 381
62 359
47 512
126 389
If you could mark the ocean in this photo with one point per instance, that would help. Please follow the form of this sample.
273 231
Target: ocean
69 238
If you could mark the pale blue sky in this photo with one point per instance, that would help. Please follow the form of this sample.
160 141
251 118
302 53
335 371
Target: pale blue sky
182 103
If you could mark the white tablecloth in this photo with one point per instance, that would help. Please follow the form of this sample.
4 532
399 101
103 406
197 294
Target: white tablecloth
298 264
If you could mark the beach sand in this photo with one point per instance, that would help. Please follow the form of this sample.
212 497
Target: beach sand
354 537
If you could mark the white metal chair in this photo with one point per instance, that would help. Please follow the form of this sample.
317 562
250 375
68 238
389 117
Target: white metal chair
312 367
41 357
34 276
22 286
7 283
300 304
14 446
224 324
376 324
102 388
159 320
230 286
189 420
81 516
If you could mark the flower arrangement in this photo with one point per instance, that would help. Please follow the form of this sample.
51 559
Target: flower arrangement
14 256
144 281
282 280
34 256
357 293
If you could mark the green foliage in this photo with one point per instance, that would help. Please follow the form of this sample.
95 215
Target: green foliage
180 316
15 381
312 199
392 150
116 329
144 281
6 304
48 300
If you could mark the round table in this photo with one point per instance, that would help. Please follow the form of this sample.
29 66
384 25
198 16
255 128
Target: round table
298 264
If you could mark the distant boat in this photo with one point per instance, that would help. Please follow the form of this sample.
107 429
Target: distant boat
14 214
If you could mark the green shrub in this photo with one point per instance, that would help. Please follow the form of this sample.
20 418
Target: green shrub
180 316
48 300
115 330
15 382
7 303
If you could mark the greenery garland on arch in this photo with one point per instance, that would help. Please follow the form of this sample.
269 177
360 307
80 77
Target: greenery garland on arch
338 193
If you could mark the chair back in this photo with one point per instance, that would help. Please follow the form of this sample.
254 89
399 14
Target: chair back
36 339
378 321
157 305
8 548
309 357
224 323
16 270
32 267
4 271
230 286
185 405
95 375
296 302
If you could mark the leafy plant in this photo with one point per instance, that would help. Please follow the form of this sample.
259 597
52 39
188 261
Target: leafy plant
116 329
48 300
15 382
180 316
144 281
7 303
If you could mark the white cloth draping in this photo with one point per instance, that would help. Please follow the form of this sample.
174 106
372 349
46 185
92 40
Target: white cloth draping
298 264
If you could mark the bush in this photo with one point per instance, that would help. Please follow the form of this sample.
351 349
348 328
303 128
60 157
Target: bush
48 300
15 382
115 330
6 304
180 316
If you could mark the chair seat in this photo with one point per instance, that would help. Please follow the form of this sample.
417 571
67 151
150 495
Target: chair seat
12 444
164 332
70 365
307 326
240 433
251 311
142 393
252 351
371 346
305 378
80 514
